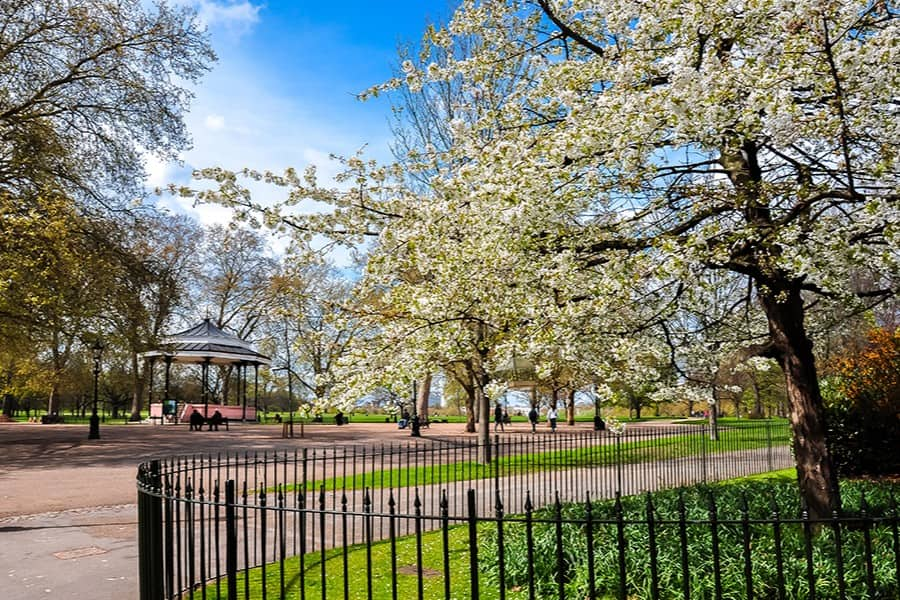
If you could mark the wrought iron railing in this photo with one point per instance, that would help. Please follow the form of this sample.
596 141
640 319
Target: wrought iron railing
346 522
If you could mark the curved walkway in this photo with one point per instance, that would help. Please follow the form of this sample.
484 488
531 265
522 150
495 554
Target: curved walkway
67 504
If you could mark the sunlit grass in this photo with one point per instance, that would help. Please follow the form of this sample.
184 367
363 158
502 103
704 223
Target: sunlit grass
358 572
612 452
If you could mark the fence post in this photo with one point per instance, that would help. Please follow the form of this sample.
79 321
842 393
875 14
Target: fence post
779 555
683 542
150 532
746 539
501 548
654 550
392 505
716 554
560 562
473 543
620 542
231 538
445 542
589 536
704 458
618 464
808 549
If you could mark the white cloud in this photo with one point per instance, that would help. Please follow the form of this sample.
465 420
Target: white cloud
205 214
157 172
214 122
235 17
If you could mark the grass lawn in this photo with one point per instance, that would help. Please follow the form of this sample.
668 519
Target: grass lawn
363 570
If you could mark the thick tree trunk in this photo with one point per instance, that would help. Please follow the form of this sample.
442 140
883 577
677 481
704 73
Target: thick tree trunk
570 408
470 412
466 380
758 412
793 350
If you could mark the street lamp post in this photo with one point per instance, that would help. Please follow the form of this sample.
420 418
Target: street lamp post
94 433
414 425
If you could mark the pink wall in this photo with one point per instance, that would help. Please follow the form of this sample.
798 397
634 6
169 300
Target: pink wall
232 413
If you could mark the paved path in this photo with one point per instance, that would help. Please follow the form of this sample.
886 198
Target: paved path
68 520
67 504
68 524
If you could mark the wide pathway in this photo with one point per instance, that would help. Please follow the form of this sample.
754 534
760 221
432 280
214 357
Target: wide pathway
68 519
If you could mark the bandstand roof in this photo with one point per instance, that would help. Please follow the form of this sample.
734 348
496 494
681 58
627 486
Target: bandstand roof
206 342
519 374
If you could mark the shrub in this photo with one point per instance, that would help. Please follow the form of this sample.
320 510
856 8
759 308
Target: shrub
757 500
862 399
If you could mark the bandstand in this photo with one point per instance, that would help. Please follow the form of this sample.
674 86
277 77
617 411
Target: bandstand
206 345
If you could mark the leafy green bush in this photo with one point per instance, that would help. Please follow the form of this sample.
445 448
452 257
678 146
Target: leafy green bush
758 500
863 438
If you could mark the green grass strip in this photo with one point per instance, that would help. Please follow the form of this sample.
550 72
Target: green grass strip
631 452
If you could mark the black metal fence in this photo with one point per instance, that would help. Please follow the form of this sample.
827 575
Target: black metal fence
432 519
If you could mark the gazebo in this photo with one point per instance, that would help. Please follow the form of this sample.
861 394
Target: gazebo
205 344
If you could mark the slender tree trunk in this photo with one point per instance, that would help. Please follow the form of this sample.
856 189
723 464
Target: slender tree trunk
138 381
424 395
793 350
714 411
714 420
225 373
570 408
484 421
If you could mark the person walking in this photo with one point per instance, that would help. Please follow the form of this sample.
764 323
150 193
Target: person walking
498 417
552 416
533 418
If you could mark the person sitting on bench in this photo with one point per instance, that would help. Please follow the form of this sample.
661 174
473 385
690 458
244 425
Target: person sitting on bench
214 421
196 420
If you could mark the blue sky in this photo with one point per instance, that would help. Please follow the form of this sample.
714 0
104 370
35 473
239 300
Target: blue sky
282 92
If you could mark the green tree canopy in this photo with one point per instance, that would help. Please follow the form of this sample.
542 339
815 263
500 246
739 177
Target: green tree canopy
87 87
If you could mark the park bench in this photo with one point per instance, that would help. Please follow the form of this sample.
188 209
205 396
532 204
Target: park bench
197 421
